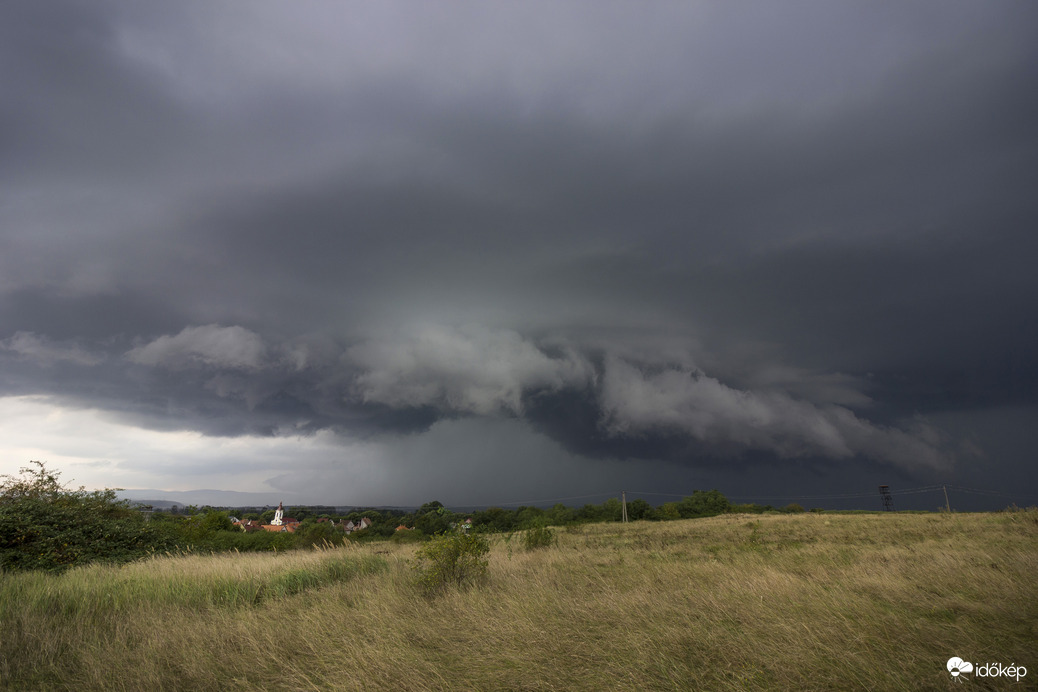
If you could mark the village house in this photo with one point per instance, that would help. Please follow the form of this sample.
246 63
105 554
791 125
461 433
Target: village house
246 525
464 526
282 524
350 526
288 525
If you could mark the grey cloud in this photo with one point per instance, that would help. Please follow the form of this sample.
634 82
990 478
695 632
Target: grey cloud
470 369
309 384
818 388
212 345
695 404
46 351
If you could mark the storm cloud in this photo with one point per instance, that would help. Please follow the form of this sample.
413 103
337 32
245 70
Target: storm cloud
763 247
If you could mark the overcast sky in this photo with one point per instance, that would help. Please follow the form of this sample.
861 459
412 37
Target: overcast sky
383 253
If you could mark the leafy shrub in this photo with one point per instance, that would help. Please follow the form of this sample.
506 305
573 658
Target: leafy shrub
196 529
318 533
46 526
538 536
408 536
451 559
669 511
260 541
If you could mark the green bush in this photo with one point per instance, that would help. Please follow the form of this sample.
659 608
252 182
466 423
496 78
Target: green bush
260 541
318 533
538 536
408 536
451 559
197 529
45 526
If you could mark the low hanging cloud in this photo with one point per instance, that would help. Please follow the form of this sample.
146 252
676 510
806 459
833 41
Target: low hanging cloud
469 369
688 402
46 352
209 345
478 371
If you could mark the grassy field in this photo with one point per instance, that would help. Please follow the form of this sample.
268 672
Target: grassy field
735 602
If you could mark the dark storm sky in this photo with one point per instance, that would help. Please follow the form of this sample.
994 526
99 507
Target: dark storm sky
383 252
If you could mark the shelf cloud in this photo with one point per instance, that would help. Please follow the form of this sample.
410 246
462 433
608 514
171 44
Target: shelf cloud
753 248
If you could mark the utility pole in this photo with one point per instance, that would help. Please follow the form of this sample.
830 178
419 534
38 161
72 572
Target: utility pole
888 501
947 505
623 495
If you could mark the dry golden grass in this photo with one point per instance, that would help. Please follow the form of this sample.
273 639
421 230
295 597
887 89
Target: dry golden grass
813 601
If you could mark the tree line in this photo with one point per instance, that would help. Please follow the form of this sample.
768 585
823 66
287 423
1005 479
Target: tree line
45 525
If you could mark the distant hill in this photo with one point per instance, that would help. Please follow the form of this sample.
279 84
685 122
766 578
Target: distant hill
214 498
164 499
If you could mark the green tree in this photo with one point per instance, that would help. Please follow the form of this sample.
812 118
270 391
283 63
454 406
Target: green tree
669 511
639 509
612 510
529 516
495 519
560 515
590 513
429 507
703 503
434 521
214 520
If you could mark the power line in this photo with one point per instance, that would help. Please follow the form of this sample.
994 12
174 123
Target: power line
978 491
841 496
922 489
834 496
554 499
908 491
997 493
